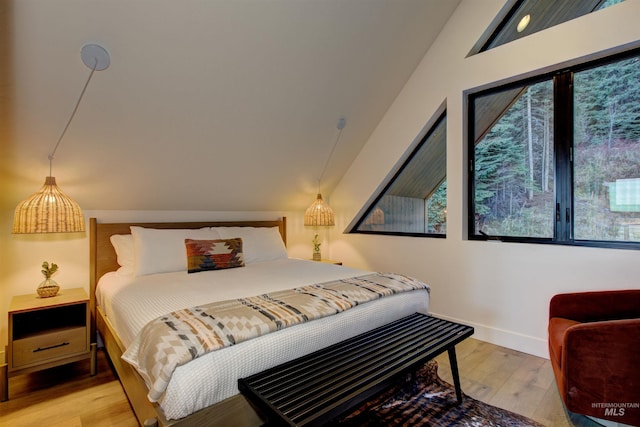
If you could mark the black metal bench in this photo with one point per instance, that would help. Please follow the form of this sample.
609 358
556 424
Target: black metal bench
314 389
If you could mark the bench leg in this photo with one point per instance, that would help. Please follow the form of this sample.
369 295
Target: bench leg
453 361
4 381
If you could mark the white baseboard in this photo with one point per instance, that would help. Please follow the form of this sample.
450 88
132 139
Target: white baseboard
510 339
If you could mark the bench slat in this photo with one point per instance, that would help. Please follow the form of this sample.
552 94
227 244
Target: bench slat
316 388
332 352
361 368
358 357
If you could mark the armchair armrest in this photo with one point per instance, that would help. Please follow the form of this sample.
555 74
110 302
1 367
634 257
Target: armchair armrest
596 306
600 365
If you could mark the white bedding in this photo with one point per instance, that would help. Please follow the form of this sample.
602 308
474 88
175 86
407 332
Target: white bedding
131 302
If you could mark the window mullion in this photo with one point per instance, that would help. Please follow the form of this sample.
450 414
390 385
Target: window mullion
563 142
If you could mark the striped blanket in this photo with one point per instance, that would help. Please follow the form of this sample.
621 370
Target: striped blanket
181 336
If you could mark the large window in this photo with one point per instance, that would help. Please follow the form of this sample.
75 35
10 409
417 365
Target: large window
557 159
414 202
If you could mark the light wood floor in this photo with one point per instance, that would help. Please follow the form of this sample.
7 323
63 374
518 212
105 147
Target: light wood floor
67 396
512 380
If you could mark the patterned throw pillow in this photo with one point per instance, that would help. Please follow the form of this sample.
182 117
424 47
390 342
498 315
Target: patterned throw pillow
204 255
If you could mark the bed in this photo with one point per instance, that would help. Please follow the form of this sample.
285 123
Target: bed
193 397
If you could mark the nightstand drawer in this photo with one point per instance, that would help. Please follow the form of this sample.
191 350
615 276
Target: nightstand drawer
49 346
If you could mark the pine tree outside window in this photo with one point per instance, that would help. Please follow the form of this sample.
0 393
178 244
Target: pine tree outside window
556 159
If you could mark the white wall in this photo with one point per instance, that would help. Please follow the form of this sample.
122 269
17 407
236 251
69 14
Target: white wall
502 289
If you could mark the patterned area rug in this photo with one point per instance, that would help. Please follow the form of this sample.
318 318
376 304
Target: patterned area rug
423 399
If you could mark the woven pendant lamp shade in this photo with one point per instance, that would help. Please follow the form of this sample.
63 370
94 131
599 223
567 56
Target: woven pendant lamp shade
48 211
376 217
319 214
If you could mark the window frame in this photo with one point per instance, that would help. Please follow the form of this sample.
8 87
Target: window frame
439 117
563 162
500 26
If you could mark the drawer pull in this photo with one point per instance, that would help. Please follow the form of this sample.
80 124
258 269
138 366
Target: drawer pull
50 347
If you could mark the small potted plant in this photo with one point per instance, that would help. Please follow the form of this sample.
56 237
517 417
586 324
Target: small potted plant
48 287
316 248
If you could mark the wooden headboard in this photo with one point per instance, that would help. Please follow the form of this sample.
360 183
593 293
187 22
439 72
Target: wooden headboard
103 256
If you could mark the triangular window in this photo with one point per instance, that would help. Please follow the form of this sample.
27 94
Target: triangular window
414 202
519 18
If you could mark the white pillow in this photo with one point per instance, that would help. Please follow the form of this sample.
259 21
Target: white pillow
159 250
258 243
123 245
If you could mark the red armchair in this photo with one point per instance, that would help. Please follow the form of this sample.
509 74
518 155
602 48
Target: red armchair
594 348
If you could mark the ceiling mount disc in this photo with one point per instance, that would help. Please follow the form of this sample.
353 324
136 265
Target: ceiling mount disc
96 56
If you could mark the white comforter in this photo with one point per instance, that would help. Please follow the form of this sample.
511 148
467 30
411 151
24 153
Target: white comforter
130 303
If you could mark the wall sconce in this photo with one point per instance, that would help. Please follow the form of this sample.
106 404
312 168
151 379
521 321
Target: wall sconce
49 210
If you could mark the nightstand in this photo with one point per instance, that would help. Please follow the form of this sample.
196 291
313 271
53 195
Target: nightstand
330 261
47 332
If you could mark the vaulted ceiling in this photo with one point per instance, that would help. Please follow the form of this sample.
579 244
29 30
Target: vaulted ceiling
207 104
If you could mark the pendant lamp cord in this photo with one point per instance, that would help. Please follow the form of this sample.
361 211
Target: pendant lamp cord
71 118
341 123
